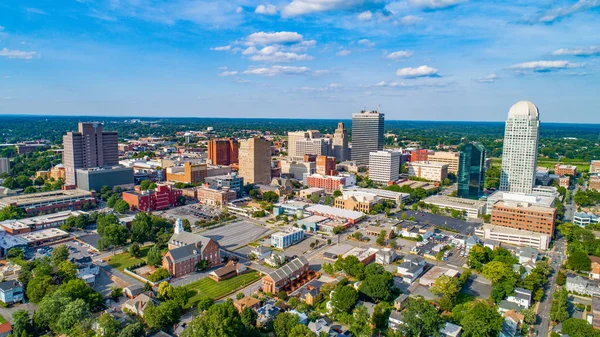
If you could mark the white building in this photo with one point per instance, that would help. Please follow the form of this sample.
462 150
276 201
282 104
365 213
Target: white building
473 208
384 166
431 171
519 155
287 237
514 236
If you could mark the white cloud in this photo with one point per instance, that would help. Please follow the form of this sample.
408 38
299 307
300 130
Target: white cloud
365 16
277 70
221 48
400 54
17 54
593 50
487 79
436 4
329 87
302 7
239 9
101 16
544 66
272 54
366 43
35 11
409 20
343 52
560 12
266 9
422 71
390 84
250 50
228 73
263 38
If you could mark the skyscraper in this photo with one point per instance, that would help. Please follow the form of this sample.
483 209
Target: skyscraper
255 160
367 135
88 148
520 151
223 151
471 171
307 142
384 166
340 143
4 165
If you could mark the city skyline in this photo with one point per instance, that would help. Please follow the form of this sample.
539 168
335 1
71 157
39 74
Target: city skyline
469 61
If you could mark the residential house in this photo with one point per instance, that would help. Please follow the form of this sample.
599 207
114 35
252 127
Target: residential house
491 244
510 327
522 298
276 259
133 290
528 254
400 302
231 269
385 256
11 292
411 268
261 252
580 285
395 320
86 270
596 312
321 326
595 271
267 312
279 279
309 295
246 302
451 330
302 317
5 329
471 241
459 241
137 305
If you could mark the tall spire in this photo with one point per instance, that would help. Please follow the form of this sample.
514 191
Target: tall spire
179 226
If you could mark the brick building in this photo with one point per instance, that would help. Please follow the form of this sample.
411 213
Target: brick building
420 155
595 183
187 173
223 151
51 202
325 165
524 216
163 197
326 182
563 170
283 277
215 197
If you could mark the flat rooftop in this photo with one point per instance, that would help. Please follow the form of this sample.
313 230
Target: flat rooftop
538 200
510 231
380 193
339 249
43 235
454 201
525 206
51 196
337 212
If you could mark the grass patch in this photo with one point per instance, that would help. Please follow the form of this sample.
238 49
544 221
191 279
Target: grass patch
124 260
2 319
582 165
207 287
463 298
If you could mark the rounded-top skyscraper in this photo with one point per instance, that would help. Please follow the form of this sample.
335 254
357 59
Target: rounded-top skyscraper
520 151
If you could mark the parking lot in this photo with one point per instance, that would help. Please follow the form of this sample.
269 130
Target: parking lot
461 226
237 234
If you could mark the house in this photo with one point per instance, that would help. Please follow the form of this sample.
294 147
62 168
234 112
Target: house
246 302
276 259
11 292
5 329
510 327
580 285
385 256
321 326
471 241
428 279
137 305
309 295
596 312
400 302
595 271
86 270
491 244
459 240
451 330
411 268
279 279
267 312
302 317
395 320
260 252
133 290
522 298
231 269
528 254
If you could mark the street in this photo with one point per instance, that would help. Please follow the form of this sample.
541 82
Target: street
557 255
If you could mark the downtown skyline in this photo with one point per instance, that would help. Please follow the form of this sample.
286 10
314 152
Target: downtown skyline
416 59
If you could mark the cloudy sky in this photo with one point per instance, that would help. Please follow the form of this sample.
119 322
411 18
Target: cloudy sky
412 59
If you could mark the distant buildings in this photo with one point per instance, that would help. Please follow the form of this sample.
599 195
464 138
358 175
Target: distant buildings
309 142
255 160
51 202
384 166
297 169
93 179
163 197
330 183
223 151
594 166
4 165
367 135
215 197
563 170
340 143
231 181
595 183
188 173
89 147
431 171
325 165
520 151
471 171
420 155
450 158
356 201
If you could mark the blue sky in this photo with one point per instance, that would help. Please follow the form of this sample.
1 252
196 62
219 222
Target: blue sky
414 59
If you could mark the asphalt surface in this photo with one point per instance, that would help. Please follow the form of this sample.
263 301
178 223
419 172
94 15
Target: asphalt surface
461 226
557 254
237 234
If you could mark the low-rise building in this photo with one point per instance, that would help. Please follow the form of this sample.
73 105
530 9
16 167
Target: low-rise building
514 236
11 292
472 208
287 237
428 279
268 312
595 267
352 217
385 256
50 202
232 181
282 278
582 286
246 302
311 192
163 197
364 255
215 197
563 170
231 269
450 158
583 219
411 268
328 183
451 330
522 298
396 197
27 225
524 216
189 173
261 252
564 181
395 320
594 183
431 171
356 201
137 305
528 254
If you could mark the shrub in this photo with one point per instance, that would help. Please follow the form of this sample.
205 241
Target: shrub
159 274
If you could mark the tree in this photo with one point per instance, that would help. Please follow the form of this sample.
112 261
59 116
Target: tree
154 258
579 260
497 271
359 323
162 316
344 298
380 316
60 254
134 250
108 325
337 193
421 319
301 331
187 226
39 287
66 271
381 238
133 330
15 254
282 295
447 287
481 320
141 228
558 309
204 303
561 278
112 201
377 285
114 235
121 206
284 323
269 196
529 315
220 320
72 314
115 293
21 323
11 212
145 184
576 327
249 317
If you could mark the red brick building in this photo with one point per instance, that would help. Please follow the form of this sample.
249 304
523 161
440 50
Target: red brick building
325 165
595 183
419 155
328 183
283 277
223 151
524 217
563 170
186 250
163 197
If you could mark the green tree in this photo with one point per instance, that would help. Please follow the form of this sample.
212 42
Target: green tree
380 316
112 201
72 314
496 271
134 250
21 325
558 309
481 320
301 331
39 287
220 320
344 298
579 260
421 319
11 212
60 254
187 226
145 184
135 329
154 258
359 325
270 196
377 285
121 206
204 303
66 271
529 315
114 235
576 327
141 228
116 293
284 323
108 325
249 317
162 316
447 288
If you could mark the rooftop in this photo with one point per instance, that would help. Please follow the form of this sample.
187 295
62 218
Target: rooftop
51 196
288 269
43 235
508 230
336 212
453 201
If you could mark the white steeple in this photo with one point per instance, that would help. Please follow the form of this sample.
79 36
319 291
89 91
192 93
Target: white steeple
179 226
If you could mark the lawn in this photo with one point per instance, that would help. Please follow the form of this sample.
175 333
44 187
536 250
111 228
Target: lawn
2 319
207 287
549 163
124 260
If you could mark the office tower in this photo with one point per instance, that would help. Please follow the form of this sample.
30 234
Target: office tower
223 151
384 166
255 160
450 158
4 165
89 147
471 171
307 142
325 165
340 143
367 135
520 151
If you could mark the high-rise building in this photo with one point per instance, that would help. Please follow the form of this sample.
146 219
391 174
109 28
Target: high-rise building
471 171
255 160
4 165
520 151
450 158
310 142
325 165
88 148
223 151
367 135
384 166
340 143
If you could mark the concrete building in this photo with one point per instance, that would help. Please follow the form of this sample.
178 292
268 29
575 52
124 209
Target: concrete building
472 208
328 183
471 171
4 165
89 147
520 150
356 201
531 199
397 197
163 197
583 219
340 143
50 202
215 197
325 165
294 137
231 181
450 158
428 170
297 169
255 160
223 151
524 216
384 166
367 135
93 179
514 236
188 173
352 217
288 237
27 225
313 146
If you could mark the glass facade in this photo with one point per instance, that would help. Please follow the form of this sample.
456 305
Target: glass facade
471 171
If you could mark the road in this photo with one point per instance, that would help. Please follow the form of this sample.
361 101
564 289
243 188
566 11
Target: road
558 256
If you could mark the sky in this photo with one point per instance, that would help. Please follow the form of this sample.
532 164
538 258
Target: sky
466 60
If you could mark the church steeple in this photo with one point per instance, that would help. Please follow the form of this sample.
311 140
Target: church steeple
179 226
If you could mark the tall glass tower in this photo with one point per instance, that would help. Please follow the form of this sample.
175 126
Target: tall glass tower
471 171
520 151
367 135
